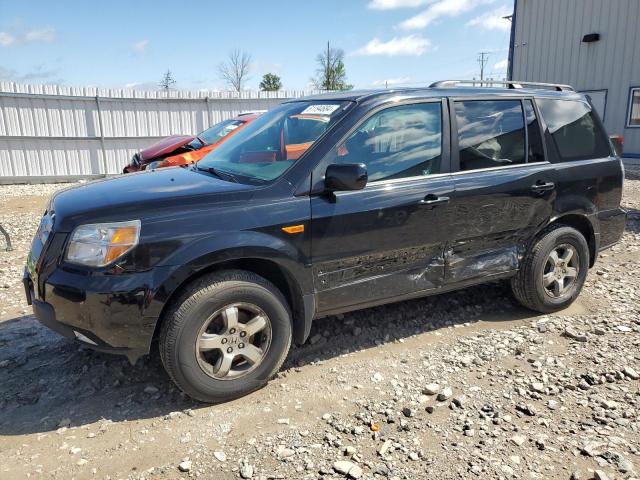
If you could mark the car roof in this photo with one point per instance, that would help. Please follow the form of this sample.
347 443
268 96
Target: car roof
431 92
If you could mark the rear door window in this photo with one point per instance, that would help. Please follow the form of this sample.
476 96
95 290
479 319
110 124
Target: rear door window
491 133
575 130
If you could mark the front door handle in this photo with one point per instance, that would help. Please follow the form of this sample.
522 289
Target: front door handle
432 200
541 186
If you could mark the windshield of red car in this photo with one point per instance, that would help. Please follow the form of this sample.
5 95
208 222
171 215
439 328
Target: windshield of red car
265 148
220 130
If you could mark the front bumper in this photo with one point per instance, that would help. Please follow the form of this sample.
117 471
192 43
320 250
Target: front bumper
110 313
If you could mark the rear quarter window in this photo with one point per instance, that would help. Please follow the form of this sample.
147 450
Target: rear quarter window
575 130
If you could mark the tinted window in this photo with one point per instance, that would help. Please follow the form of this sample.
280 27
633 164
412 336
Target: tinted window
574 128
397 142
535 152
634 108
490 133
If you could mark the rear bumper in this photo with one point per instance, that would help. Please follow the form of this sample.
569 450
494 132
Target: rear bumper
612 223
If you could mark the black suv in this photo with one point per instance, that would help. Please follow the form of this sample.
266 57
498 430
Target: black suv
323 205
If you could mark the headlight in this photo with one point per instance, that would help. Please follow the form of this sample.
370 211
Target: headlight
99 244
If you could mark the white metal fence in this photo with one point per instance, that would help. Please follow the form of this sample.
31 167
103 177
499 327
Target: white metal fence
53 132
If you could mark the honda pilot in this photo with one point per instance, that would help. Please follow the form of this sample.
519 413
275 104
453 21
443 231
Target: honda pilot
323 205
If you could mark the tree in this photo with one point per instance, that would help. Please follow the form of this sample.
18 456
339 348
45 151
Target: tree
270 83
331 73
235 70
167 82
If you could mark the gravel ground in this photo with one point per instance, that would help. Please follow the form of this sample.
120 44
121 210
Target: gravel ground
460 385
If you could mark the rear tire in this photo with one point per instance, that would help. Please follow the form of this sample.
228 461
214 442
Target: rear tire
225 336
553 272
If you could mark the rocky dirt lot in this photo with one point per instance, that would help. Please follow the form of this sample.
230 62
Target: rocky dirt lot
461 385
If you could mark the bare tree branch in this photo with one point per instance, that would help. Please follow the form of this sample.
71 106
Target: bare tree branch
235 70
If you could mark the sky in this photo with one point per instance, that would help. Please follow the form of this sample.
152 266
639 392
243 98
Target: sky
130 44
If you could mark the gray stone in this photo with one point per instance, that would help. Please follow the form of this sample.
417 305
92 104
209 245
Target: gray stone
246 471
431 389
600 475
445 394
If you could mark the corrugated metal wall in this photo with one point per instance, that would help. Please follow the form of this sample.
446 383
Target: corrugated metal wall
548 47
57 131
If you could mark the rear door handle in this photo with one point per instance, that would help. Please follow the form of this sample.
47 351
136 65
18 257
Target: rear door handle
433 200
541 186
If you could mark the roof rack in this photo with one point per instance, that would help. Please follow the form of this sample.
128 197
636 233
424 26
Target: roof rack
511 84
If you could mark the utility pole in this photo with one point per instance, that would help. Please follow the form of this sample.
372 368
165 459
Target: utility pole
483 58
328 81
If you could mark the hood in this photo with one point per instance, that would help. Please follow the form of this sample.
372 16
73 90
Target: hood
164 147
137 195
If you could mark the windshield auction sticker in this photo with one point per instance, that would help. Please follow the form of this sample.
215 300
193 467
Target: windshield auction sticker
320 109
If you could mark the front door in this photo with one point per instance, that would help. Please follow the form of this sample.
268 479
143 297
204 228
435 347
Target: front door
388 239
504 188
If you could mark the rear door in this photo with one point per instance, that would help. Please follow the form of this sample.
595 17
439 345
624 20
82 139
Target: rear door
504 187
388 239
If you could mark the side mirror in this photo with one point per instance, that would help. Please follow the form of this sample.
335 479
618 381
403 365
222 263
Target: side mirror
345 177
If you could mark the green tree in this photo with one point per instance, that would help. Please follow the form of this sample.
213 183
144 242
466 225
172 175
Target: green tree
270 83
331 73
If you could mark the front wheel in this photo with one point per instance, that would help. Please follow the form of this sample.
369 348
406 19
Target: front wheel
553 272
226 336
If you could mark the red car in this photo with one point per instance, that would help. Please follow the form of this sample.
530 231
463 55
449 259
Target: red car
185 149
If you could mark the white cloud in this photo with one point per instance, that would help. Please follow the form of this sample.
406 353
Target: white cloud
393 4
502 65
140 47
6 39
493 20
141 85
391 81
441 8
36 74
409 45
47 34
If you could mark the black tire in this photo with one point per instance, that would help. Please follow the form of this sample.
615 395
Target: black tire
527 285
182 327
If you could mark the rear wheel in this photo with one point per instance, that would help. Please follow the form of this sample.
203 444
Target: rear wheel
553 271
226 335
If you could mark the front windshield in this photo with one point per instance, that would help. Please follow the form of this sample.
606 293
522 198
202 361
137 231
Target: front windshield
269 145
219 131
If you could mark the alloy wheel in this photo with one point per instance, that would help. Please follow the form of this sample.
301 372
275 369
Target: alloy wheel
561 271
233 341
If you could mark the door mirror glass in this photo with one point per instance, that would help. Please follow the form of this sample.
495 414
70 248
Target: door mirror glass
345 177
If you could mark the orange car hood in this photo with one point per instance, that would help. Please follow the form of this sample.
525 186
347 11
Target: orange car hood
164 147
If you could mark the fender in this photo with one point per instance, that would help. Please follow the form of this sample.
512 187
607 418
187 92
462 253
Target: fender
195 257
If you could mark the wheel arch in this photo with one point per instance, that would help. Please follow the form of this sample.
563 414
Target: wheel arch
585 226
268 268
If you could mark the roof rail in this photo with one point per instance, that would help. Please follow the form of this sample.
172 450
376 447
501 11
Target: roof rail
510 84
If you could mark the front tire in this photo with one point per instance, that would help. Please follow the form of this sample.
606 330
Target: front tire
553 272
225 336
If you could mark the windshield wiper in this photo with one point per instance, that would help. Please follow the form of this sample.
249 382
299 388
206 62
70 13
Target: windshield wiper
219 173
201 140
